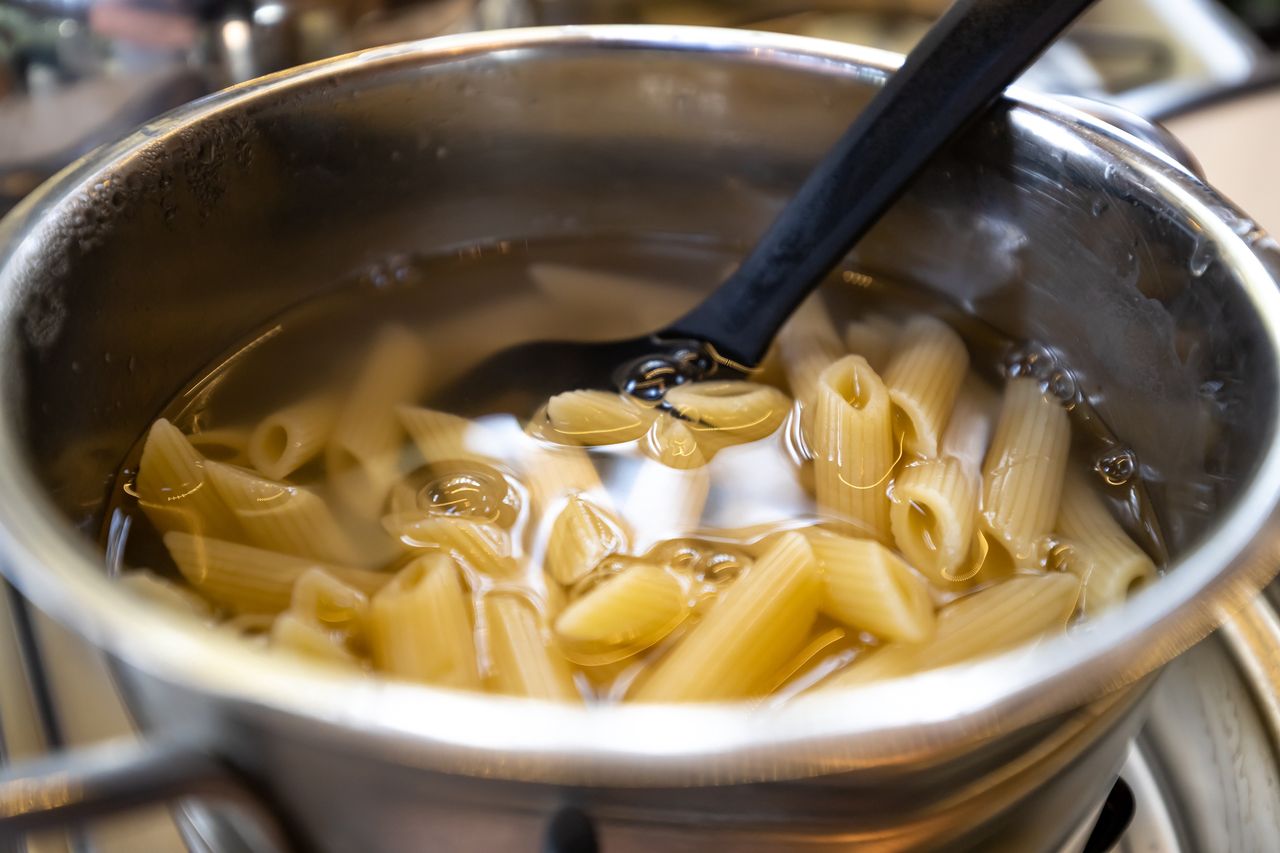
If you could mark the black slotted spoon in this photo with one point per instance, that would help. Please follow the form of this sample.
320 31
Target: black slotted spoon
959 68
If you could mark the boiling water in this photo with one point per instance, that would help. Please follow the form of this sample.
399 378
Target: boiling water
469 304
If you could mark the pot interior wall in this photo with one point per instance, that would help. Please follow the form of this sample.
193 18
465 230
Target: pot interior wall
153 268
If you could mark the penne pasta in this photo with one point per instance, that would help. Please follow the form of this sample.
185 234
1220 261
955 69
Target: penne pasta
622 615
553 474
421 628
593 418
867 587
759 624
1023 473
873 337
982 623
244 579
442 437
284 518
672 442
337 608
852 442
478 546
582 536
522 662
229 445
289 438
807 344
1109 563
363 453
923 378
729 411
932 516
293 633
173 486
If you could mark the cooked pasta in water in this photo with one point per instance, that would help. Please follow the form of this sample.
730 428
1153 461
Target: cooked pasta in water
884 497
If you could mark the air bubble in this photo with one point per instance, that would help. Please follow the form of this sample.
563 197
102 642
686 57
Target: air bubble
1202 256
1031 359
1062 385
1117 466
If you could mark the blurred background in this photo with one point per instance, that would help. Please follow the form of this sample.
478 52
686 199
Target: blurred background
74 73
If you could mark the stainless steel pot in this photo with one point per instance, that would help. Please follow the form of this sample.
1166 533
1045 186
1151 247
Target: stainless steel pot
140 263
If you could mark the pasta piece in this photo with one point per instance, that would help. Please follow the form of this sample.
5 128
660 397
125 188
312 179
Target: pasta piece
522 662
477 545
729 411
582 536
873 338
337 608
672 442
420 625
866 586
982 623
244 579
158 590
1022 476
968 433
622 615
363 453
284 518
923 378
442 437
759 624
592 418
552 474
933 513
1106 560
289 438
807 344
230 445
852 442
173 487
651 303
292 632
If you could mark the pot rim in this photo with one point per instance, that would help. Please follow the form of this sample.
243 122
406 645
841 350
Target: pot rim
880 725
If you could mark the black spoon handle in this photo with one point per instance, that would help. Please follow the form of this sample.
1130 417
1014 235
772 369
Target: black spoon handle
963 64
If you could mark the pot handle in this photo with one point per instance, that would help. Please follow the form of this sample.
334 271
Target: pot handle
80 785
1144 129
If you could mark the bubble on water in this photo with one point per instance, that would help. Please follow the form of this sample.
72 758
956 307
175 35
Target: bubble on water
1117 466
472 494
1062 385
1030 360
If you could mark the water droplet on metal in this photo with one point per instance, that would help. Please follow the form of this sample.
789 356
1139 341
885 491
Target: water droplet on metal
1117 466
1202 256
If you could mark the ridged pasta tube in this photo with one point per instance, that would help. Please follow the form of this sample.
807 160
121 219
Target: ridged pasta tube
582 535
1024 469
923 377
363 453
756 627
1100 553
293 633
420 625
933 514
442 437
323 600
226 444
478 545
522 661
290 437
174 489
867 587
853 447
622 615
672 442
591 418
279 517
807 344
729 411
992 620
244 579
